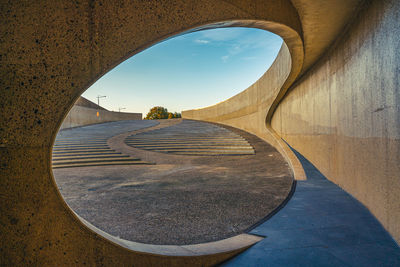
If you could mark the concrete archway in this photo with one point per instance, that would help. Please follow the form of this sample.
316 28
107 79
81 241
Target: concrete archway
52 51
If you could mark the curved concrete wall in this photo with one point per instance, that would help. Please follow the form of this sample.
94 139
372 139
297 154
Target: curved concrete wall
343 114
49 58
248 109
80 116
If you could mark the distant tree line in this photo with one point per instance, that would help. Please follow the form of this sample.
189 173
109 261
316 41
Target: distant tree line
157 113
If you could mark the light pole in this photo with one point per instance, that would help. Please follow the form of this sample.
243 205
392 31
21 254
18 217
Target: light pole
119 109
98 99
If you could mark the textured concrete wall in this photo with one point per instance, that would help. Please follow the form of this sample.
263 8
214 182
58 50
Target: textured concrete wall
248 109
344 115
51 52
80 116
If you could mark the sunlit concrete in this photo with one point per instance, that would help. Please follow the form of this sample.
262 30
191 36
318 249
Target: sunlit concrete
184 197
51 51
343 113
85 112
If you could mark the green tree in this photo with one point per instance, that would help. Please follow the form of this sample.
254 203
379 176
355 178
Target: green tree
157 113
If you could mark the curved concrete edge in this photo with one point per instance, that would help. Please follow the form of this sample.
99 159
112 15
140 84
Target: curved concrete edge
290 56
226 246
279 144
287 153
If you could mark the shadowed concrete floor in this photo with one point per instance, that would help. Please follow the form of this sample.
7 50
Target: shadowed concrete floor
181 199
321 225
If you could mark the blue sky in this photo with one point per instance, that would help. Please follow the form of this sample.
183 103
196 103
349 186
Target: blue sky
194 70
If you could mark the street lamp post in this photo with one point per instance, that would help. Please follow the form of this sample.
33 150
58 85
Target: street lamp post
98 99
119 109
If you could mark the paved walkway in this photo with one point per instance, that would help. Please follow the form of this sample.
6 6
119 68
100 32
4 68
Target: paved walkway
321 226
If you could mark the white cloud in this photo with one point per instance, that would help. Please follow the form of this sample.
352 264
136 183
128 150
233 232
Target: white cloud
225 58
249 58
201 41
225 34
235 49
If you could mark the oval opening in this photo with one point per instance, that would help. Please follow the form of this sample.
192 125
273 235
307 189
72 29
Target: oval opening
172 182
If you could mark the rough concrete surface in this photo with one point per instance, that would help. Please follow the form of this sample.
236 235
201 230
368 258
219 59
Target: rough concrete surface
182 199
52 51
85 112
343 114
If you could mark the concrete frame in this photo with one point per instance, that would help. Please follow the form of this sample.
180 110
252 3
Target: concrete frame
52 51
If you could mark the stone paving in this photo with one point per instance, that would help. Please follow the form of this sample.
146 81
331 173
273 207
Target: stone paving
321 225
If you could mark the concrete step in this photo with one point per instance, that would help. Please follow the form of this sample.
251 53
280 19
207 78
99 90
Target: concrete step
200 148
205 151
79 145
144 144
68 148
81 140
72 157
74 165
93 160
108 152
81 150
186 138
213 154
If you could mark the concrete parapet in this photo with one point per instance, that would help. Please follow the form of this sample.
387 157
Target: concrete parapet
80 116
